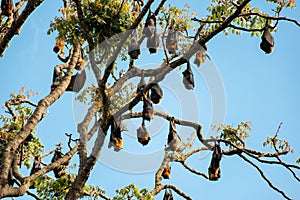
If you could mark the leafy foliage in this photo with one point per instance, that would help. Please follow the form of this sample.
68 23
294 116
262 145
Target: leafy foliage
103 19
132 192
10 125
235 135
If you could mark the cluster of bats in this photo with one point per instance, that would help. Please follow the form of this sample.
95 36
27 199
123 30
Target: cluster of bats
156 93
214 172
58 171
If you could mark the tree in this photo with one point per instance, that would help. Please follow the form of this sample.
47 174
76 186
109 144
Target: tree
83 25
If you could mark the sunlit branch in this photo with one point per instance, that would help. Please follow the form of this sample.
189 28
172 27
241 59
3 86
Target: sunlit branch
33 121
82 129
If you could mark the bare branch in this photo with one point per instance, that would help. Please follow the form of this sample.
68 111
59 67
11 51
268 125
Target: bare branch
185 165
245 29
264 177
271 18
207 21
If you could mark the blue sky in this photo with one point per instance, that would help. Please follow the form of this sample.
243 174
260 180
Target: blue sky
263 89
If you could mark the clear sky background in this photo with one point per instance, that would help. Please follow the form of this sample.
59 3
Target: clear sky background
263 89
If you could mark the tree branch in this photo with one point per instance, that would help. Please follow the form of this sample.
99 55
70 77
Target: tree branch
271 17
16 25
159 188
34 119
264 177
121 43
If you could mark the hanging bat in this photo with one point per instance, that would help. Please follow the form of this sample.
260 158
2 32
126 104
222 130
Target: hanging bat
172 137
171 42
77 82
35 167
115 139
7 7
156 93
188 77
166 172
134 47
214 171
147 109
28 139
168 195
143 135
61 170
153 43
80 63
267 41
59 46
200 56
141 84
150 26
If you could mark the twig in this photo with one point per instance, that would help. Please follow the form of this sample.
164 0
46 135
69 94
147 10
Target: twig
192 169
10 111
59 147
163 41
277 151
245 29
264 177
272 18
207 21
70 140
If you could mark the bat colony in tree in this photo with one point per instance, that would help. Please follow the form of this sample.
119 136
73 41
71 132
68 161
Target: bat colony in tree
154 95
156 92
